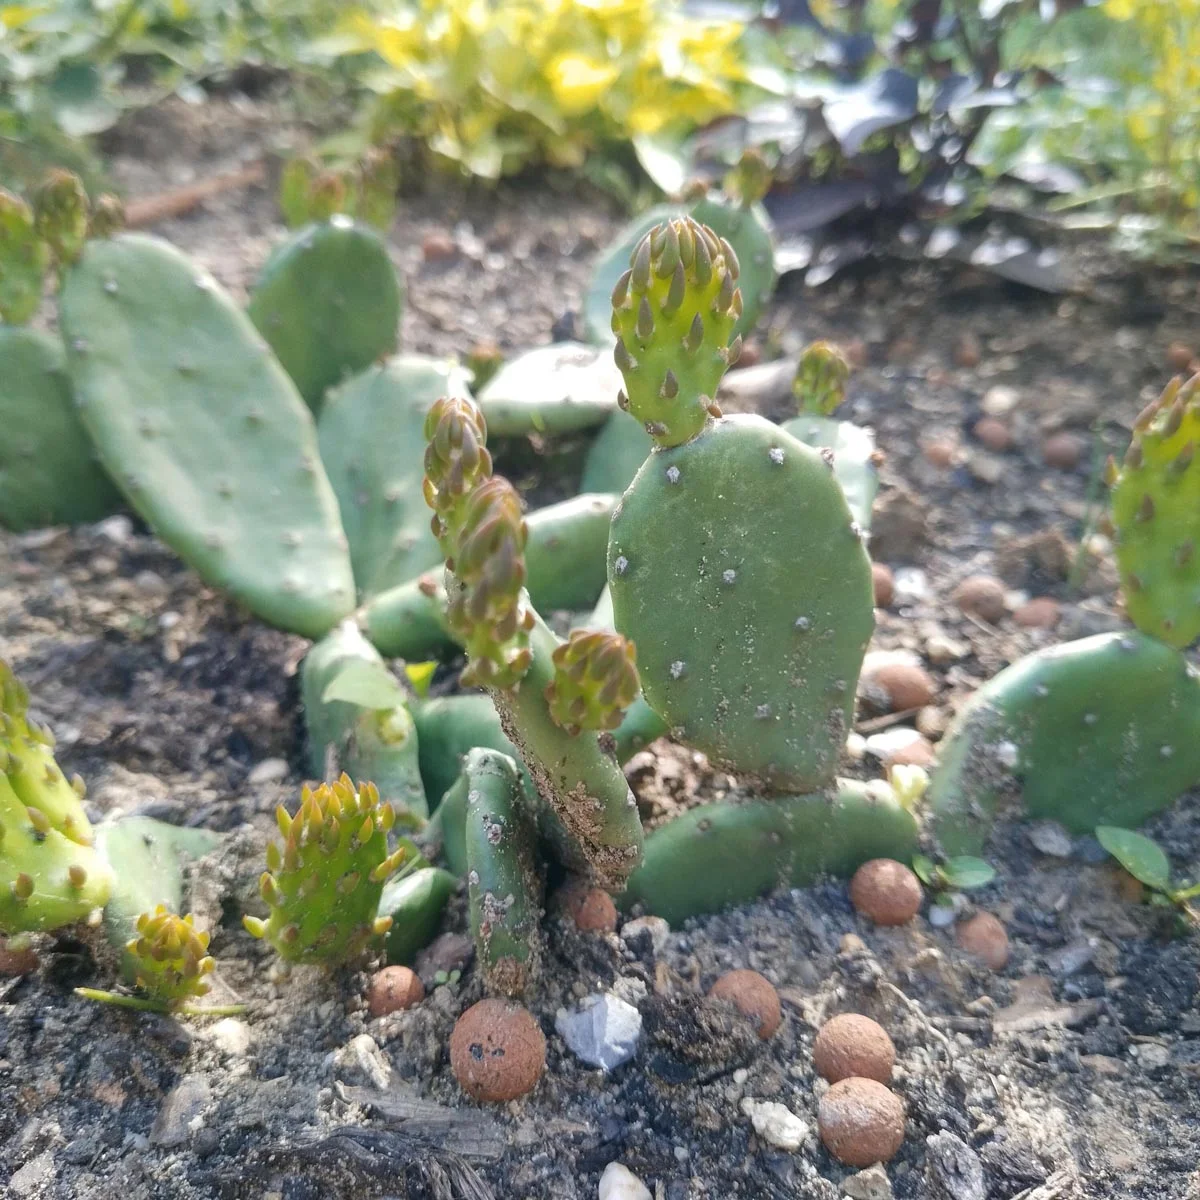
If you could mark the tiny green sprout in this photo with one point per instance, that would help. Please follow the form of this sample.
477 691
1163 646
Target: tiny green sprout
1146 861
908 782
963 873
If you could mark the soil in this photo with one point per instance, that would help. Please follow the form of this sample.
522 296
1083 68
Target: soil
1073 1072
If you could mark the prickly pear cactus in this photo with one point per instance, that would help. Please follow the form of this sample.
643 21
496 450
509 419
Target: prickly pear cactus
169 959
821 376
324 886
747 228
50 874
371 434
750 634
415 902
49 473
614 457
1102 731
852 452
595 680
60 213
108 216
1156 513
328 302
24 259
203 432
673 313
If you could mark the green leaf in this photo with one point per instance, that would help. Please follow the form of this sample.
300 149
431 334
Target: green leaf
925 869
367 684
966 872
1141 856
80 106
420 675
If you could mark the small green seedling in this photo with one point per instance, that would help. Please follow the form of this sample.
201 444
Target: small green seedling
963 873
1146 861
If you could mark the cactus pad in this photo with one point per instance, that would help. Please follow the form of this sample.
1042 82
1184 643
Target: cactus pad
49 473
595 680
854 458
60 213
169 958
1156 512
731 853
1102 731
614 457
737 570
324 886
50 874
747 228
820 383
371 434
415 904
24 257
673 313
328 301
203 432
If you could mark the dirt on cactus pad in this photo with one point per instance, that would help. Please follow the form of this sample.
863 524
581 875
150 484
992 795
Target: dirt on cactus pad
1073 1072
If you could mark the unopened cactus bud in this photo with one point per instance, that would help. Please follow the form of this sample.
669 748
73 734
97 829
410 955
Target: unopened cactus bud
749 181
595 680
820 383
456 459
326 196
295 191
169 959
108 216
60 210
674 312
378 183
323 885
24 257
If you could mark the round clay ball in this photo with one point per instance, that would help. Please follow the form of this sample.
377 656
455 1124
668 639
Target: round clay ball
983 937
591 908
754 996
393 989
497 1051
853 1045
886 891
861 1122
883 583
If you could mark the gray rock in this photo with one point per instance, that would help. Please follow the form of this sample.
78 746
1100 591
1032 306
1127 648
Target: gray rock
644 934
184 1104
952 1169
871 1184
1050 838
27 1180
360 1062
270 770
603 1032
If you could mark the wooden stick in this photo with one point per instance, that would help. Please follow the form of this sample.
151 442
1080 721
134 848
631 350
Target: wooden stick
141 213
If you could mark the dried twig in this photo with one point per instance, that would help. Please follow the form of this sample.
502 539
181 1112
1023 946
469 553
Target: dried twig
141 213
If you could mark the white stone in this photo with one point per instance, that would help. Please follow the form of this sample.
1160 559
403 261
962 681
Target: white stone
776 1123
999 401
655 928
890 742
603 1032
1051 838
871 1184
230 1036
270 770
620 1183
910 585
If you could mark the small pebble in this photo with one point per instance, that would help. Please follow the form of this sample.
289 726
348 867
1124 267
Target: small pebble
591 908
1179 356
993 433
646 933
981 596
392 990
883 584
886 892
754 996
952 1169
270 770
901 747
850 1045
1042 612
21 961
871 1184
861 1122
999 401
1051 838
775 1123
896 686
438 246
940 452
497 1051
968 352
1062 451
983 937
604 1031
620 1183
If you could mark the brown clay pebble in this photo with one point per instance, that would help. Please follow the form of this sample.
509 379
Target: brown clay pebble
861 1122
940 452
853 1045
22 961
857 353
751 354
993 433
901 685
438 246
983 937
1039 613
754 996
886 891
968 351
1063 451
592 909
981 596
1179 356
917 753
392 990
884 585
497 1051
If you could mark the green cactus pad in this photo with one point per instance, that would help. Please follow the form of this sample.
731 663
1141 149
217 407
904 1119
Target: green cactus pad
502 884
564 565
820 383
854 458
1156 512
169 958
730 853
203 432
356 714
49 474
673 313
614 457
371 434
748 231
324 886
328 301
737 571
595 680
50 874
60 213
415 904
1102 731
552 390
448 727
24 259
